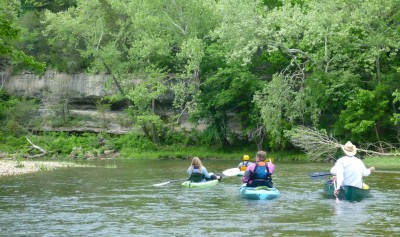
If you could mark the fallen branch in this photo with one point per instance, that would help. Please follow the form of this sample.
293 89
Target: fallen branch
43 152
321 145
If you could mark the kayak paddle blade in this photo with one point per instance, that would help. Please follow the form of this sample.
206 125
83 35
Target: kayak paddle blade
231 172
161 184
319 175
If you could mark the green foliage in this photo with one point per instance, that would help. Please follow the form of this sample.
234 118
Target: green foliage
179 137
229 90
132 142
17 115
326 93
363 114
274 103
52 5
209 138
63 144
396 115
329 58
9 35
11 143
387 163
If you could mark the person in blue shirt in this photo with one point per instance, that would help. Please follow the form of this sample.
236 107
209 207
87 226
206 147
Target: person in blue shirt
198 173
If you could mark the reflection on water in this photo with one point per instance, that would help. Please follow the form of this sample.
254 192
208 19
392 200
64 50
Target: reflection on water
121 201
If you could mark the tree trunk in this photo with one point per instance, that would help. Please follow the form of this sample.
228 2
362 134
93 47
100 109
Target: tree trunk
145 131
156 140
114 79
43 152
221 130
378 68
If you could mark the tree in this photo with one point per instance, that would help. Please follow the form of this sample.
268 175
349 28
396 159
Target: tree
134 40
230 90
9 35
51 5
361 121
330 37
320 145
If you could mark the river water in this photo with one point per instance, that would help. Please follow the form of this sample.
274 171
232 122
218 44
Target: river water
116 198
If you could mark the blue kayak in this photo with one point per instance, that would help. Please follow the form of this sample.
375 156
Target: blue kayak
259 193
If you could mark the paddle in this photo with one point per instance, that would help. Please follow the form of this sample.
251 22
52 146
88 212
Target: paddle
171 181
334 191
319 175
231 172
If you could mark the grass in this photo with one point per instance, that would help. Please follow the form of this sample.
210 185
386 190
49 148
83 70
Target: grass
383 162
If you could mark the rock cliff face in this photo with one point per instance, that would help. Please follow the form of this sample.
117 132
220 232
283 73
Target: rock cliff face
81 91
72 96
78 87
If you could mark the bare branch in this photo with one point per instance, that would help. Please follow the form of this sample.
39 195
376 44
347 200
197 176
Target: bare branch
43 152
319 144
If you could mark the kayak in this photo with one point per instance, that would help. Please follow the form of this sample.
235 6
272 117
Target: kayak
206 184
259 193
348 193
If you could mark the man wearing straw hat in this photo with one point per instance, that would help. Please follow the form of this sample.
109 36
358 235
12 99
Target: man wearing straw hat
349 170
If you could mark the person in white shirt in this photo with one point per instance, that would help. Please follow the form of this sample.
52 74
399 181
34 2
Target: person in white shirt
349 170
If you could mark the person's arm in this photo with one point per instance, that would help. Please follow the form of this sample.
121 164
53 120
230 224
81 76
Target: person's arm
240 164
205 172
190 170
366 172
271 167
246 176
339 169
334 170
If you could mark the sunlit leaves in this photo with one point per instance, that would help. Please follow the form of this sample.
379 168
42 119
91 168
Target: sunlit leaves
396 115
9 37
274 103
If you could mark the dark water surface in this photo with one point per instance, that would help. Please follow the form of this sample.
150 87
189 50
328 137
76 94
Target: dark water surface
116 198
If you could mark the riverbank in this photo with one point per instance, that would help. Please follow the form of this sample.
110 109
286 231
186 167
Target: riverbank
12 167
391 163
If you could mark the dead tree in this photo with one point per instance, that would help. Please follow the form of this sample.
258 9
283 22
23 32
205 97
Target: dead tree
42 151
321 145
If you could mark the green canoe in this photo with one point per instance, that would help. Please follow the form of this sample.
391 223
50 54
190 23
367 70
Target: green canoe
348 193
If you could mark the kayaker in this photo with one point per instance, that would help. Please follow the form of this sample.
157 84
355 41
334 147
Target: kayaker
259 173
245 163
349 170
198 173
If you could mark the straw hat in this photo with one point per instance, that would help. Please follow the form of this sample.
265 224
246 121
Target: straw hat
349 149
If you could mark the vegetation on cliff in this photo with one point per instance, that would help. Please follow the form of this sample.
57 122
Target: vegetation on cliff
272 65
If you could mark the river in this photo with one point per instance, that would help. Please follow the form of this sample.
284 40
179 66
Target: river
116 198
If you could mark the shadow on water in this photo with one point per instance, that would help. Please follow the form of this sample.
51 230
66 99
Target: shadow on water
116 198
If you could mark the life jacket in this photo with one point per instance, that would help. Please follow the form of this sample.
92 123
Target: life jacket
244 165
261 175
197 175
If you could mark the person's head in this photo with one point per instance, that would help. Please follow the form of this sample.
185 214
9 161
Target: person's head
349 149
246 157
261 156
196 162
